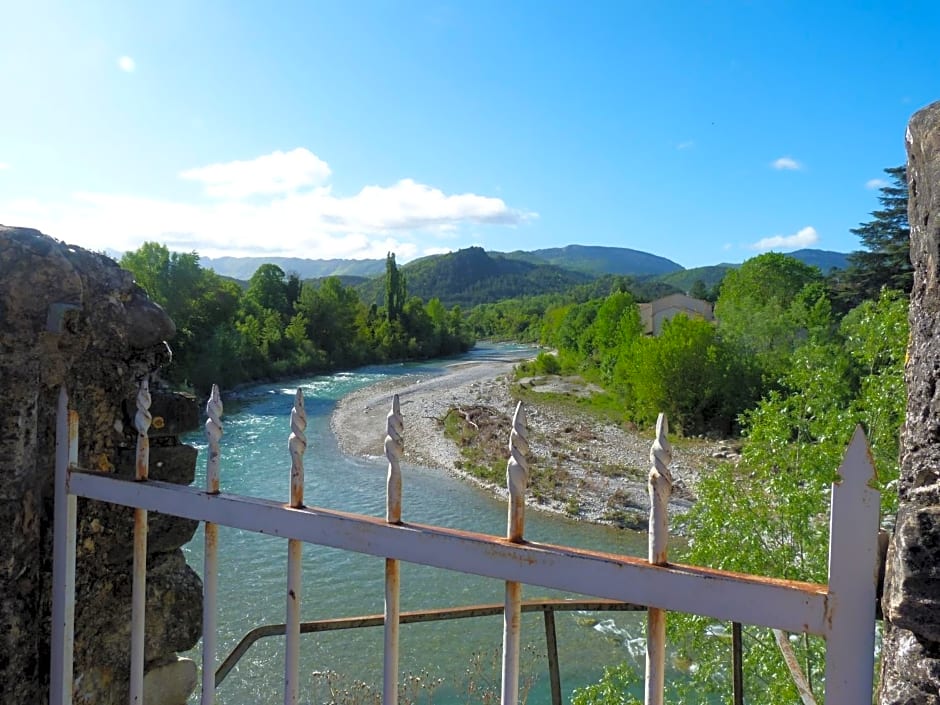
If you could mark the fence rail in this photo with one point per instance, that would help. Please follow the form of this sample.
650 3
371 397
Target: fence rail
843 611
546 607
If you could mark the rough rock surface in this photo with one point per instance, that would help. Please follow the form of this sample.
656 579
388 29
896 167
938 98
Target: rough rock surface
911 601
72 317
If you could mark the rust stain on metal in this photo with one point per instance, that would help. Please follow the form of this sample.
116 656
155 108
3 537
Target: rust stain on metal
73 426
212 537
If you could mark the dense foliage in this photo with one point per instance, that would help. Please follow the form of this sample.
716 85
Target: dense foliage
821 356
280 326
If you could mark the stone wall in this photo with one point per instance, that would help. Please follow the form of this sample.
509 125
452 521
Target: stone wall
72 317
911 602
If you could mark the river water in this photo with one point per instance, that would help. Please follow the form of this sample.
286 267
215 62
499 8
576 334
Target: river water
252 568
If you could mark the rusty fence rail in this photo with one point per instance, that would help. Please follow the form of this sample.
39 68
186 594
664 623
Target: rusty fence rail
842 611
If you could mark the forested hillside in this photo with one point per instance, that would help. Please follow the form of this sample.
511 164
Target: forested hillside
592 259
472 276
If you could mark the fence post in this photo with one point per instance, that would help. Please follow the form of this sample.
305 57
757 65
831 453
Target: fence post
297 443
210 564
142 421
853 575
394 447
63 567
517 473
660 487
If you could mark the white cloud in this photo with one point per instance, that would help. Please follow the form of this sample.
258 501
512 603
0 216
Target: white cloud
688 144
875 183
126 64
803 238
4 165
275 173
291 211
786 164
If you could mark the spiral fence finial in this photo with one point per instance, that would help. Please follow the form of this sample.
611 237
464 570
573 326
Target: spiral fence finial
517 473
661 450
213 436
142 420
660 488
143 417
394 448
297 444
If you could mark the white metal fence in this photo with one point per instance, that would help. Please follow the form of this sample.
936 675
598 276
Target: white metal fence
843 612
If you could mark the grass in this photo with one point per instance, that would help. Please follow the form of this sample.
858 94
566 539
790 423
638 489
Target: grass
482 433
602 406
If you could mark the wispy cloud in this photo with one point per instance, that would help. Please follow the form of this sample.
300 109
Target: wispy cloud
803 238
126 64
4 165
786 164
280 203
688 144
875 183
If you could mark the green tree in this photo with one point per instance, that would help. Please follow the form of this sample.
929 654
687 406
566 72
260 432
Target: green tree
396 290
689 372
267 289
754 309
886 260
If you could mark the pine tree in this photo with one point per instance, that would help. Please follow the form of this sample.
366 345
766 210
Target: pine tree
885 262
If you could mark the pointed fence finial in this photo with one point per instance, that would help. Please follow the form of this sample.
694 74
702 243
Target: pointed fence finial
213 436
297 443
394 448
854 520
517 474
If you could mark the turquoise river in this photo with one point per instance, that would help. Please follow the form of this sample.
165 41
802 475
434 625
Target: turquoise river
252 568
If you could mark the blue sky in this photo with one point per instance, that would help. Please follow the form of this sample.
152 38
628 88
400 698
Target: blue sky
703 132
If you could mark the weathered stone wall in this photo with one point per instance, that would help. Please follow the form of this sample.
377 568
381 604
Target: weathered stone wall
911 602
105 338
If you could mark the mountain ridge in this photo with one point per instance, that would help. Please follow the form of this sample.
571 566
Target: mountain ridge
585 259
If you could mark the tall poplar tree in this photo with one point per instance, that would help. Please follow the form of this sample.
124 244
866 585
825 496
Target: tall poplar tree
395 289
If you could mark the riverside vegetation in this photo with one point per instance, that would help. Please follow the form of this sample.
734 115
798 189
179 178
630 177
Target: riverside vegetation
796 359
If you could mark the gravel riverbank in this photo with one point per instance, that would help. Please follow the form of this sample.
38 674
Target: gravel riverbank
601 468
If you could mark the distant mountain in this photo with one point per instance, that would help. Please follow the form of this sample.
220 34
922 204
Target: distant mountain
472 276
597 260
684 279
824 259
244 267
